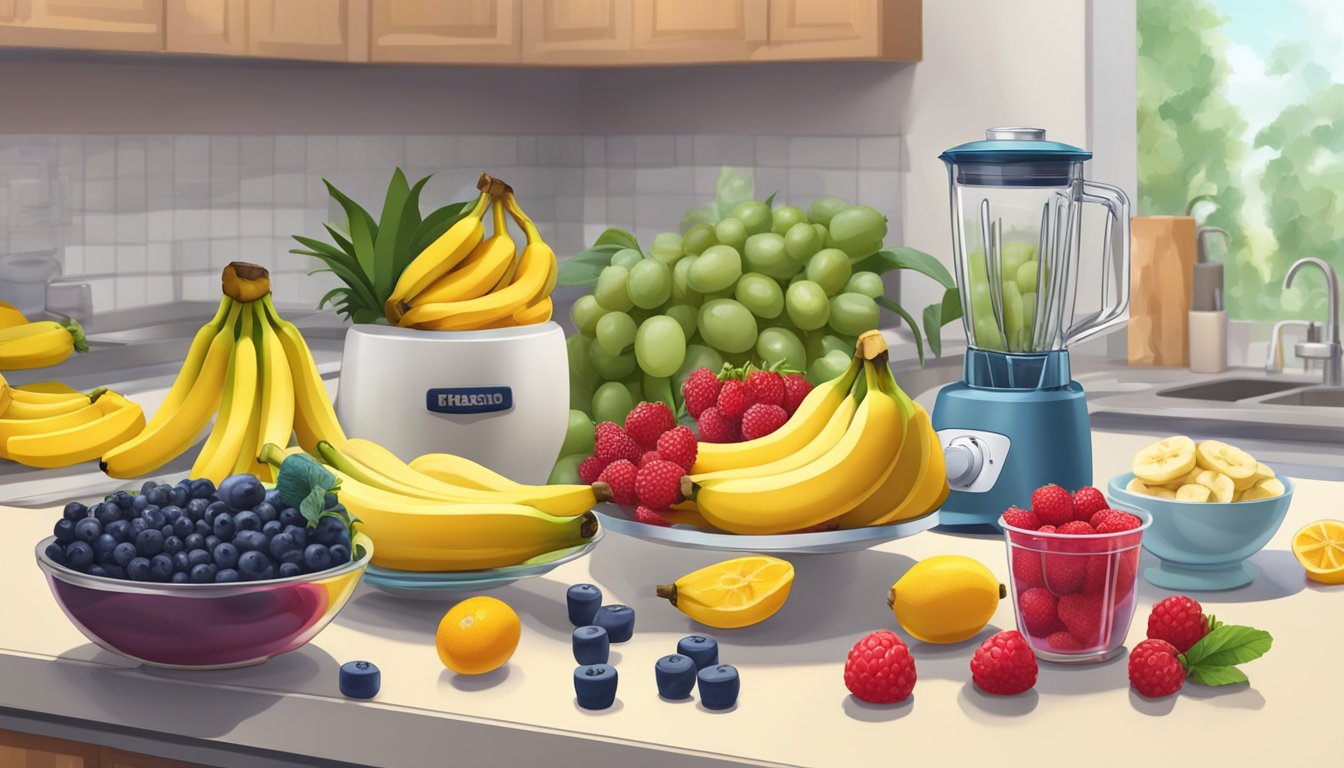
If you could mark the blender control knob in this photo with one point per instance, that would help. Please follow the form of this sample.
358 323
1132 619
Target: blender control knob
965 456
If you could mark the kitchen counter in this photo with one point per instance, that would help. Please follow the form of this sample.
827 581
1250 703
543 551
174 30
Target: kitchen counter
793 709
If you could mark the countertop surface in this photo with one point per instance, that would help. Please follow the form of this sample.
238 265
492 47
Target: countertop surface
793 710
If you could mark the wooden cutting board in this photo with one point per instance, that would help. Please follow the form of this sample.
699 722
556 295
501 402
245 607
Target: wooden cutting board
1162 260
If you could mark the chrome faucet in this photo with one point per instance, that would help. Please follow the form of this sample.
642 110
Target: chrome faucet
1328 350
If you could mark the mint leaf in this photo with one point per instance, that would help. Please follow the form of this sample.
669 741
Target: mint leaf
617 236
1227 645
1217 675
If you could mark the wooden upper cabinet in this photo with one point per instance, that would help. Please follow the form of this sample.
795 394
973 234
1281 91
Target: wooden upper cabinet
699 31
108 25
845 29
326 30
115 758
23 750
446 31
207 26
579 32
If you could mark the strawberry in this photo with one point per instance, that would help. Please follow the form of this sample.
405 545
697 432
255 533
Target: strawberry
796 388
1027 571
1063 641
735 398
1039 611
1087 501
1118 522
1178 620
761 419
880 669
1082 614
700 390
1052 504
619 477
1155 669
612 443
648 457
589 470
647 422
658 485
767 387
1021 518
1077 528
716 428
678 445
1064 574
1004 665
651 516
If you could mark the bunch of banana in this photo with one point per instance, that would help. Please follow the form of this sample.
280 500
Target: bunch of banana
857 452
465 281
26 345
250 367
50 425
441 522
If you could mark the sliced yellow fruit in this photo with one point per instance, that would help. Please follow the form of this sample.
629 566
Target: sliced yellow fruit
1137 486
1165 460
1319 547
1193 492
1265 489
1188 479
733 593
1239 466
1161 492
1263 472
1221 485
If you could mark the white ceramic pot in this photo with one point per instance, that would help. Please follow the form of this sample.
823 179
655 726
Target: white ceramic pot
498 397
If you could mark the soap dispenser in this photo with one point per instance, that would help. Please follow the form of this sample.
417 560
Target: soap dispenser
1208 316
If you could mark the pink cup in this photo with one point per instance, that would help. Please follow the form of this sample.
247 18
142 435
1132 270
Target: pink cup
1074 595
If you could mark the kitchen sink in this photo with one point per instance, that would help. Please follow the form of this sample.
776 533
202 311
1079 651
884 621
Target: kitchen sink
1230 390
1320 397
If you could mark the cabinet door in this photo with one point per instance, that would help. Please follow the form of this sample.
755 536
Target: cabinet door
115 758
845 29
109 25
446 31
577 32
326 30
698 31
207 26
21 750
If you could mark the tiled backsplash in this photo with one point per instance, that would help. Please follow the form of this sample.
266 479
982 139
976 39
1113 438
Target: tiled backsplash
149 219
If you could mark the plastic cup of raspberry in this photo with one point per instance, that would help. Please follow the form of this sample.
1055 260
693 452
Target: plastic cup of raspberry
1074 585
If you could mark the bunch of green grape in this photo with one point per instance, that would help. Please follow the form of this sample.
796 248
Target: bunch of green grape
1019 278
773 286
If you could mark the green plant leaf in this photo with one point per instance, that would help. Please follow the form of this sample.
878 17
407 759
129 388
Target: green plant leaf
940 314
366 315
342 239
769 201
910 321
402 253
363 230
360 289
384 247
433 226
582 269
333 294
1217 675
901 257
1228 645
618 237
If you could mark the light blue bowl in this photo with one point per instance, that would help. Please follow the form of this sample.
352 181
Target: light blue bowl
1204 545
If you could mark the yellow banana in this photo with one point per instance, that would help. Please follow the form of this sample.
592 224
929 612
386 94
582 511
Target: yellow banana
910 459
4 396
533 314
246 462
818 491
507 276
443 254
826 440
462 472
930 487
276 409
10 316
121 419
18 427
201 345
314 418
37 345
46 392
26 409
479 272
801 428
222 448
164 439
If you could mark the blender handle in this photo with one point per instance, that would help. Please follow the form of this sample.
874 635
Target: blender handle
1114 303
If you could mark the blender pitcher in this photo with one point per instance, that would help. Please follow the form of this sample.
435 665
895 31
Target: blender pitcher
1017 421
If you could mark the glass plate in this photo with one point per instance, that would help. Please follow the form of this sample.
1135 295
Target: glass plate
621 520
432 585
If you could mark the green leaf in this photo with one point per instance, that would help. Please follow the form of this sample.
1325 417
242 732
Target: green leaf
1214 676
769 201
403 252
384 255
576 273
940 314
342 239
360 288
618 237
902 257
363 231
1227 645
910 321
436 223
333 294
304 483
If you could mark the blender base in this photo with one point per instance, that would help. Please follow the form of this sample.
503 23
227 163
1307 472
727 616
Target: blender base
1050 442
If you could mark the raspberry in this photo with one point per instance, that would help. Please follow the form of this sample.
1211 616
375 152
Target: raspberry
700 390
1082 615
1027 572
613 443
1114 572
767 387
880 669
678 446
1099 517
1046 529
761 419
1116 522
1063 641
648 457
1178 620
1087 502
1077 528
1021 518
647 422
1064 574
735 398
715 428
590 469
1154 669
658 485
651 517
1039 612
620 479
796 388
1004 665
1052 504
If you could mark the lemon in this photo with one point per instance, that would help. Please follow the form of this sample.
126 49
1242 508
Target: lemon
1319 547
734 593
477 635
945 599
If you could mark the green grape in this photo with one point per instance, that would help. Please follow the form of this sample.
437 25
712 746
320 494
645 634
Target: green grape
611 367
681 282
685 315
578 434
726 293
666 241
823 233
760 294
755 215
807 305
1012 316
867 283
580 368
823 208
1013 255
635 385
785 217
765 253
727 326
715 269
660 346
658 389
853 313
1026 276
847 344
802 241
826 367
566 470
611 402
615 332
626 257
780 344
1028 321
830 269
982 310
697 239
698 356
987 334
586 312
580 396
975 266
857 230
610 290
650 283
731 232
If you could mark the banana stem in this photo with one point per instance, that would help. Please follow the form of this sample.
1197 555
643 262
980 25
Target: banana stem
77 333
687 488
516 211
668 592
588 528
602 491
272 454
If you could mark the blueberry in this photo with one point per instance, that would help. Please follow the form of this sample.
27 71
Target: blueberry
272 529
97 570
55 553
250 541
172 514
226 575
64 530
272 497
204 528
242 492
123 499
103 545
225 555
196 509
88 529
180 577
197 557
172 545
78 555
252 565
194 541
316 558
292 557
109 513
299 534
137 525
202 489
204 573
704 651
139 504
161 567
288 570
328 531
138 569
583 601
153 516
167 530
149 543
119 529
159 496
184 527
74 512
212 509
267 512
291 516
180 496
591 645
675 676
123 553
595 686
223 526
181 563
719 686
359 680
280 544
330 501
211 540
147 486
618 620
246 520
340 554
114 571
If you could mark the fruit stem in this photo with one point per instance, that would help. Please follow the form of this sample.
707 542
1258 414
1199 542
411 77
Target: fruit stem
687 488
272 454
484 181
602 491
97 393
1003 591
248 271
668 592
871 344
588 528
891 598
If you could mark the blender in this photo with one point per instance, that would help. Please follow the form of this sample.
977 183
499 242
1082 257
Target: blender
1017 420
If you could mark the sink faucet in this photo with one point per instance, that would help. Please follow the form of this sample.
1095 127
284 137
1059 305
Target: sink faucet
1329 350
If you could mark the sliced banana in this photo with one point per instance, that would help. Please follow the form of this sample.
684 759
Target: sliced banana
1239 466
1188 479
1266 489
1193 492
1263 472
1161 492
1220 484
1137 486
1165 461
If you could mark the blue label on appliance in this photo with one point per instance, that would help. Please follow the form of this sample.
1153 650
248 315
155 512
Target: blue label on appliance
469 399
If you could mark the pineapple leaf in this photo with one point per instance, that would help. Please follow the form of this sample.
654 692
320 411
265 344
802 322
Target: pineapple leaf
363 230
359 289
343 242
435 224
383 248
394 239
333 252
364 315
331 295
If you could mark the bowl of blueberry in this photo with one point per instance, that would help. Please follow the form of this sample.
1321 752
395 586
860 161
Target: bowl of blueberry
194 576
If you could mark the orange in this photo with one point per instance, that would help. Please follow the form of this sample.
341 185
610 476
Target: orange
478 635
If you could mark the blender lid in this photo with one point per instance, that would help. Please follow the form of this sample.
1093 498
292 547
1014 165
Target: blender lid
1014 145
